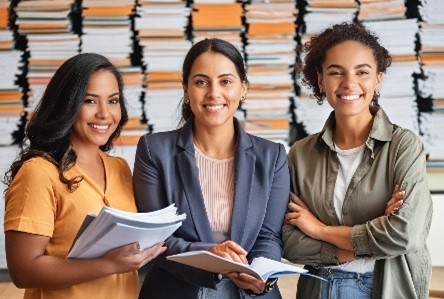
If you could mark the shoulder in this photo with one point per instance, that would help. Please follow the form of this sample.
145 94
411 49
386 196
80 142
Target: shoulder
38 166
405 139
305 145
34 175
400 133
160 140
261 145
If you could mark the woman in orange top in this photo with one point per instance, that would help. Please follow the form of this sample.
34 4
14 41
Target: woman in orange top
63 174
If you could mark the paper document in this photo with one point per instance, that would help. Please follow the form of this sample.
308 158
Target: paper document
261 267
113 228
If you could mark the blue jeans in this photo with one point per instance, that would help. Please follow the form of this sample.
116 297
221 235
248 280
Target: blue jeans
346 285
225 289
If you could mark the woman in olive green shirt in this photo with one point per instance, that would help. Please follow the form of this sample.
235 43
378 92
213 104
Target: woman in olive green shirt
343 177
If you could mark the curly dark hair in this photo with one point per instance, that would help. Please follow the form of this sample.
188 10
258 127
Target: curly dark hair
47 133
210 45
318 45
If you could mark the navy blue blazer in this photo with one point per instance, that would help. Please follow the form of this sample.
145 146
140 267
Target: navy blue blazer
165 172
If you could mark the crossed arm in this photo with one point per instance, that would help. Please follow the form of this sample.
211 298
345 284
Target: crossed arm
301 216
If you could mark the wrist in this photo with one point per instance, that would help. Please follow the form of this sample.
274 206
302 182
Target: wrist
269 285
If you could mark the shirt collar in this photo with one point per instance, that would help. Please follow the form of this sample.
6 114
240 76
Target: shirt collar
381 130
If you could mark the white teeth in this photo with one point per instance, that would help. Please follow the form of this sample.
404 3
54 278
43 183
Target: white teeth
350 97
98 127
214 107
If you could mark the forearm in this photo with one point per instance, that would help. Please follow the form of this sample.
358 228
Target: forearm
302 249
339 236
54 272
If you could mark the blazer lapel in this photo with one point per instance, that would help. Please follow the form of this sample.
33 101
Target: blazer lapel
189 174
244 177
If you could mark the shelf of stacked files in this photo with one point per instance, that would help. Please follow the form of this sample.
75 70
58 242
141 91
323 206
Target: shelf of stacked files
397 33
270 51
11 93
430 90
162 34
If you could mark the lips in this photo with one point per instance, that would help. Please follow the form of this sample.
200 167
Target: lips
99 127
214 107
352 97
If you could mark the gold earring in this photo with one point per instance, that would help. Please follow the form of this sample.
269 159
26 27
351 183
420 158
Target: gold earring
243 98
186 100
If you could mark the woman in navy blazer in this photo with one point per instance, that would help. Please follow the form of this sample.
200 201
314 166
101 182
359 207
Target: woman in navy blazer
165 172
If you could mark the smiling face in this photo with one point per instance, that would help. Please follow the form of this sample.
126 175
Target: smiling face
349 79
100 113
214 90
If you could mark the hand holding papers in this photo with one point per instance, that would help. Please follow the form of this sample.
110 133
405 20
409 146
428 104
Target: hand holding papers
114 228
261 267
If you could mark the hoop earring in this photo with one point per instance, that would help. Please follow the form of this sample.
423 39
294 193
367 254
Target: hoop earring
243 98
186 100
321 98
376 96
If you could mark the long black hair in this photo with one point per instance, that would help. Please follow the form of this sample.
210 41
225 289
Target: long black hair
47 133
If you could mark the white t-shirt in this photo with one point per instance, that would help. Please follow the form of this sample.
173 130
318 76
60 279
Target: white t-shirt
349 161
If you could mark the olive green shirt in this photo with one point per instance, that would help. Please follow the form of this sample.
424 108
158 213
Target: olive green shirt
392 155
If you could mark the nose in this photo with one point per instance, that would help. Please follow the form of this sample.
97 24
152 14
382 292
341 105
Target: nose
214 91
102 110
349 80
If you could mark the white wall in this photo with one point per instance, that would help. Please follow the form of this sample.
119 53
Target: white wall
436 239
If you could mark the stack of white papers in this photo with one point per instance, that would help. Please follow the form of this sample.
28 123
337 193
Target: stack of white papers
322 14
432 124
11 104
161 27
113 228
398 37
162 108
49 31
271 54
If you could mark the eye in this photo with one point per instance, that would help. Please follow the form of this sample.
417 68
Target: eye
200 82
89 101
114 101
362 72
335 73
225 82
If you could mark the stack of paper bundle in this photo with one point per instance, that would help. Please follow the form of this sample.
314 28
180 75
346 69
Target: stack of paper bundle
324 13
217 18
398 97
161 28
48 28
271 55
431 52
11 65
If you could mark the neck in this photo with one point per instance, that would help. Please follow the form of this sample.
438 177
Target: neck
352 132
87 155
217 144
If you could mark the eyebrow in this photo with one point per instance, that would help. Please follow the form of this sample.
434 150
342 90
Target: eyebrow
220 76
97 96
356 67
